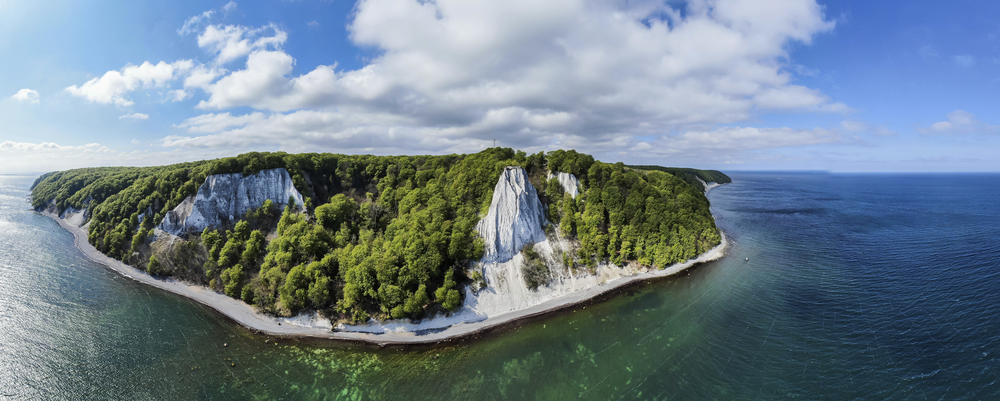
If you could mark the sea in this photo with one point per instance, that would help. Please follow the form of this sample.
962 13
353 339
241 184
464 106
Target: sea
834 287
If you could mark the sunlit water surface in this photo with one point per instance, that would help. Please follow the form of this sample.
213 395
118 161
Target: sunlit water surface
857 287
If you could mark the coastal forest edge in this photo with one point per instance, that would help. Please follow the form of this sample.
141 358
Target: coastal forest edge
381 236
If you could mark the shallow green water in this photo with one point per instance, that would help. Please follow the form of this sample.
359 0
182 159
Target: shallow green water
804 318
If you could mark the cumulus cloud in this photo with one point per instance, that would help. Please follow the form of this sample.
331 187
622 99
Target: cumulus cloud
451 76
134 116
230 42
26 96
225 42
636 68
202 76
959 123
114 85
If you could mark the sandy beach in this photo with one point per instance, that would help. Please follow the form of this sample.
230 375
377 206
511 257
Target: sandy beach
244 314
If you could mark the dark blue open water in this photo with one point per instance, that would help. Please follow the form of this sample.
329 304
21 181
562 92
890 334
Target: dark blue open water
857 287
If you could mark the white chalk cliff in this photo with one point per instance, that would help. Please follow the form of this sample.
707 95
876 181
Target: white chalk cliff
569 183
515 219
707 186
225 197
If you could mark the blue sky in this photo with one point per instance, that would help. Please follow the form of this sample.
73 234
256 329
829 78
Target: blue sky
729 84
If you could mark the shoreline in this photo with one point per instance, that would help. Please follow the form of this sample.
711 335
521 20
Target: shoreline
244 315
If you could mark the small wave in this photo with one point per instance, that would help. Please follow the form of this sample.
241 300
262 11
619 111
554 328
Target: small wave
785 211
925 375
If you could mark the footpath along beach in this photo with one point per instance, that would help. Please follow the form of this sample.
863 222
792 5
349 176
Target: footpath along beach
244 314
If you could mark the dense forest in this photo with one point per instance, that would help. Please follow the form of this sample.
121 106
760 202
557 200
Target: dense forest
690 175
378 236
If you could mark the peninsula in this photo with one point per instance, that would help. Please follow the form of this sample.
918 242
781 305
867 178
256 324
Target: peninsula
394 249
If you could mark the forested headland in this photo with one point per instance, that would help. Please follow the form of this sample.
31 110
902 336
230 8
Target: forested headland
379 236
690 175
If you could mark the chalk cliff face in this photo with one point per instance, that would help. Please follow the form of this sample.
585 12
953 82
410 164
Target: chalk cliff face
707 186
225 197
515 218
569 183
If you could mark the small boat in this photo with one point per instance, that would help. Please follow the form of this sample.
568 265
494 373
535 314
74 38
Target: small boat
748 259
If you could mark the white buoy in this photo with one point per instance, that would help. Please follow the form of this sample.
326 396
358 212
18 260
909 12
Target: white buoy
748 259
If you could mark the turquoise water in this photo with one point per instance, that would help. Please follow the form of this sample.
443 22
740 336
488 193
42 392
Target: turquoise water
857 287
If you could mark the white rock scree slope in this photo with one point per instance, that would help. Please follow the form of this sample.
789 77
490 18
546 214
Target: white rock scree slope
225 197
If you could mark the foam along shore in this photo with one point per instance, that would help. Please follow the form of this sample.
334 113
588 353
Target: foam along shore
390 333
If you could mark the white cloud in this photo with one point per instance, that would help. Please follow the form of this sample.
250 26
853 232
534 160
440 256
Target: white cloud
313 24
855 126
201 76
178 95
234 41
26 96
207 123
19 157
11 146
964 60
736 139
191 25
452 75
959 122
637 68
134 116
27 157
194 23
114 85
265 74
350 132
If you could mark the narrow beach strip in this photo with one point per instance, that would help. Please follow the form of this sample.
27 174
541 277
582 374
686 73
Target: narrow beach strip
244 314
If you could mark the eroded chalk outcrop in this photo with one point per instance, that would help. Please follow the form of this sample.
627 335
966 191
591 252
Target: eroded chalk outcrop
707 186
569 183
225 197
515 218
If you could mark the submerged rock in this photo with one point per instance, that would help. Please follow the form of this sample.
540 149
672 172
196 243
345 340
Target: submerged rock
515 218
225 197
